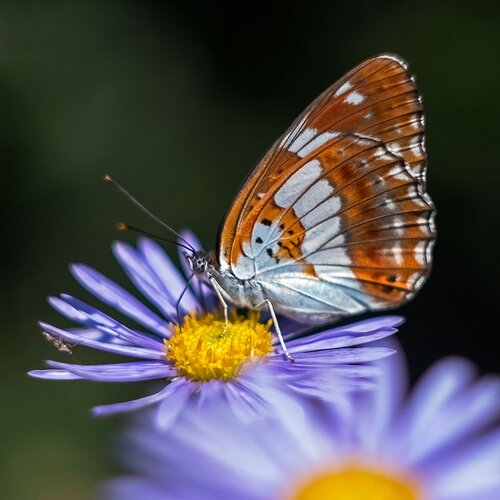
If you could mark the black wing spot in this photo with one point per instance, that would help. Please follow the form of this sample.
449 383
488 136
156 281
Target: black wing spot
282 226
387 289
291 231
391 279
280 243
259 240
269 252
266 222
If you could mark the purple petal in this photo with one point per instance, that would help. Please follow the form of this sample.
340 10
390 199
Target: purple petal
200 289
351 329
144 278
167 273
130 406
191 239
115 296
78 311
327 385
99 335
174 402
330 340
340 356
126 350
302 370
118 372
245 402
53 375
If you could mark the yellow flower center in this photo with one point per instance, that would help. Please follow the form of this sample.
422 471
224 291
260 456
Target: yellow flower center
205 348
356 483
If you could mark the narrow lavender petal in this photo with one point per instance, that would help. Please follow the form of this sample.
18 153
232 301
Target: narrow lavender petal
190 237
53 374
130 406
78 311
328 340
368 325
201 290
340 333
174 402
245 402
71 311
115 296
144 278
341 356
328 385
96 334
136 352
118 372
301 369
298 330
167 273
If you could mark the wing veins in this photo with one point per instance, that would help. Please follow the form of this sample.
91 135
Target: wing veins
316 299
336 193
316 109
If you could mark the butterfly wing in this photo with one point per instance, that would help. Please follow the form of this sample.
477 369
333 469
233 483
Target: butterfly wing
335 218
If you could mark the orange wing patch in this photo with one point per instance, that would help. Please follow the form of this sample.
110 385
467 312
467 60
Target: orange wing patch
387 224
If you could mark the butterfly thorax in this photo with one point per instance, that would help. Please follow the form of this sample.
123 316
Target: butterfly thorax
241 293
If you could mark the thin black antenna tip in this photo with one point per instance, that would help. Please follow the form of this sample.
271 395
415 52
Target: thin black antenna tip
121 226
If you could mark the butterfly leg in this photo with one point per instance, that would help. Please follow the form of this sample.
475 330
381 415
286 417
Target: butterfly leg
278 329
217 291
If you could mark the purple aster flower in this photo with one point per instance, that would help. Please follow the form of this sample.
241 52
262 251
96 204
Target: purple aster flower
201 358
442 442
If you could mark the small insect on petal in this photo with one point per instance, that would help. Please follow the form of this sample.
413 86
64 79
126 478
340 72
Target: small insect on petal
58 343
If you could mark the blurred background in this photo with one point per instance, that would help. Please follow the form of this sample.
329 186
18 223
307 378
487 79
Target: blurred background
178 100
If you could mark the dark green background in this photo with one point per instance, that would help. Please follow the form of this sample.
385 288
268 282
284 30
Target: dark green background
178 101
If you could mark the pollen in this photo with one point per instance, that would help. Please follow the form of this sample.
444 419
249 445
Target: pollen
205 348
353 483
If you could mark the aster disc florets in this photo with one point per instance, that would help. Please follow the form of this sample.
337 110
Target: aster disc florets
205 348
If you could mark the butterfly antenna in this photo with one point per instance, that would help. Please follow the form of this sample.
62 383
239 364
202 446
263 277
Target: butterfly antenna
139 205
178 304
122 226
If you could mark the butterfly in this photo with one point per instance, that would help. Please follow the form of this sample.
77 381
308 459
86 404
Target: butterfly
335 219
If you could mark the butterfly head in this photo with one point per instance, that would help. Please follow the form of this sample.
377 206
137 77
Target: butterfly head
198 262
